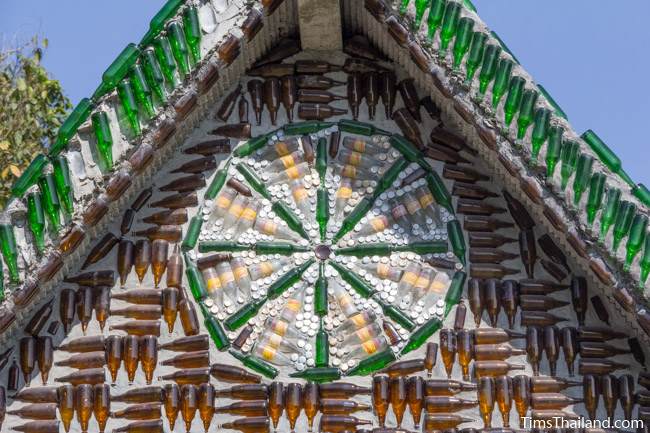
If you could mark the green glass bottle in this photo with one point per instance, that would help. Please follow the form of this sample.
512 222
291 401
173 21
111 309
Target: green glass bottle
501 80
117 70
373 363
606 155
360 128
217 183
423 248
70 126
214 328
449 25
9 251
253 180
255 364
515 92
421 335
645 261
475 57
469 5
396 315
353 218
526 111
642 193
318 375
192 31
403 7
436 13
30 176
390 176
281 248
463 40
320 292
503 45
554 149
142 90
51 204
153 73
104 138
63 183
285 213
322 352
2 285
488 68
367 250
626 212
157 23
557 109
439 191
358 284
306 128
244 314
636 239
569 156
129 104
195 280
595 199
321 158
287 280
177 40
322 211
223 246
581 179
193 232
252 145
540 130
455 233
36 219
455 291
420 9
610 211
166 60
406 148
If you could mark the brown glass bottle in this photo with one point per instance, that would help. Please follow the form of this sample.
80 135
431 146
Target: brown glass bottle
475 298
446 387
140 312
340 423
504 390
372 86
593 333
272 97
276 402
27 357
93 279
497 352
102 306
241 131
445 404
397 392
551 401
41 411
187 344
114 351
476 207
66 404
175 268
409 126
482 224
199 359
37 395
131 355
44 355
194 376
487 270
551 384
168 217
463 174
245 392
415 398
159 252
205 394
148 354
233 374
355 93
539 287
138 327
528 251
430 357
540 318
317 96
341 390
228 105
170 299
495 335
289 92
256 92
245 408
410 97
489 240
626 394
142 411
591 394
448 349
388 91
510 300
403 368
518 211
609 390
465 345
172 403
579 298
521 396
83 404
311 403
534 347
486 399
471 191
147 394
435 422
102 404
381 397
318 111
140 296
293 403
489 255
142 258
187 314
40 426
540 303
258 424
593 349
141 427
90 376
494 368
84 302
67 307
334 406
551 338
491 297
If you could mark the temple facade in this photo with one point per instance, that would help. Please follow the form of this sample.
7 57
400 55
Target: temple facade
334 215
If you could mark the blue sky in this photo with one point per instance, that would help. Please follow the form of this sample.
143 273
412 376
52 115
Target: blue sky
576 48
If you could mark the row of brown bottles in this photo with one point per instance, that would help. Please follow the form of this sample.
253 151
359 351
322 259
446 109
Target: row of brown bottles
36 351
155 254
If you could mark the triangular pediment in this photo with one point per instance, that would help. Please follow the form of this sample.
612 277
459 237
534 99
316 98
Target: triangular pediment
294 215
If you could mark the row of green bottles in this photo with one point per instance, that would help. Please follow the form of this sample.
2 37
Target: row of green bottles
282 248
